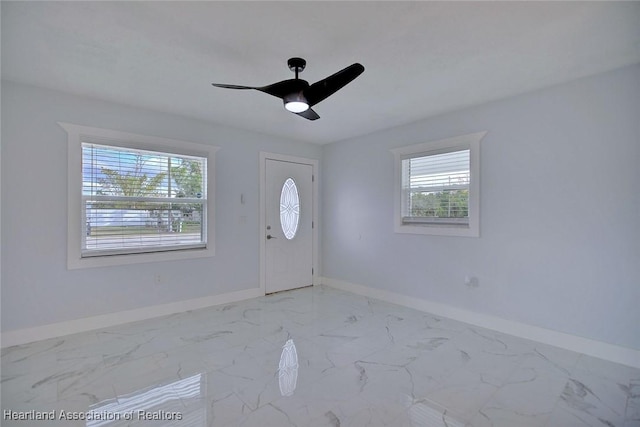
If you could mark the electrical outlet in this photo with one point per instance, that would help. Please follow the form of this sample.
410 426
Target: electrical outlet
471 281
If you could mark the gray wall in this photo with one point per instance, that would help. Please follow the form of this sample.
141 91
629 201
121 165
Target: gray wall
560 211
559 245
37 288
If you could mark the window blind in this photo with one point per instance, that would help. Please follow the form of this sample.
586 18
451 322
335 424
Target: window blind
436 188
141 201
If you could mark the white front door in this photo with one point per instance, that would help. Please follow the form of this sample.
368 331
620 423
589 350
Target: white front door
288 234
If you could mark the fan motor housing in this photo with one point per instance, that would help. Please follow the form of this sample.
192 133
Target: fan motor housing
296 64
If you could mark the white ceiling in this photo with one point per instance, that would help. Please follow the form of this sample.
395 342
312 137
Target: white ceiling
421 58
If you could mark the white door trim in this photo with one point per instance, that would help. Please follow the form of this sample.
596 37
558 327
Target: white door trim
264 156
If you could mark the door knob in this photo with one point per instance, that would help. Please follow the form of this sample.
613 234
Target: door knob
269 237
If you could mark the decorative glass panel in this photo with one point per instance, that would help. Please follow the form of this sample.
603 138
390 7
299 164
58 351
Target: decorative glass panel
289 208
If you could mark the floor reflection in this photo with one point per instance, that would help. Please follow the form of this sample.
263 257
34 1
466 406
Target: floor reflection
162 405
364 363
288 369
427 413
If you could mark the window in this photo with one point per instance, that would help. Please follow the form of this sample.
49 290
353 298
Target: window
134 198
141 201
437 187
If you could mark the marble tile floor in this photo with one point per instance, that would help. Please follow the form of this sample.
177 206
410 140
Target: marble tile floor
310 357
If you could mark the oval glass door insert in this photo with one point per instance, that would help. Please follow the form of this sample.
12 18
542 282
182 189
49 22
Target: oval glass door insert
289 208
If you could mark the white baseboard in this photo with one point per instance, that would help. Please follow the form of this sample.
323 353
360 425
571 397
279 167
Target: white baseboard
601 350
24 336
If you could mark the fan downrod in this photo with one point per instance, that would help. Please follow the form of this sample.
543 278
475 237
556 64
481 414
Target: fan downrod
296 65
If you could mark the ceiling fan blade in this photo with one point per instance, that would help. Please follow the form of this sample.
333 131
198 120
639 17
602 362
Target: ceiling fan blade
309 114
279 89
284 88
232 86
322 89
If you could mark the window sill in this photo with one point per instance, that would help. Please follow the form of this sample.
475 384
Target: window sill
438 230
112 260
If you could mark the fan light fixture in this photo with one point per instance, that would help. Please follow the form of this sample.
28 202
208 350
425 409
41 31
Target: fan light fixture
296 103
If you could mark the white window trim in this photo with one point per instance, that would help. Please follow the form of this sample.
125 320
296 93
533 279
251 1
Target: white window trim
76 136
470 142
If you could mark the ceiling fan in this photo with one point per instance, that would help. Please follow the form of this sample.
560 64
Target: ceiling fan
298 96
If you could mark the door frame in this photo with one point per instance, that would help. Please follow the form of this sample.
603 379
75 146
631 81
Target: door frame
314 163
